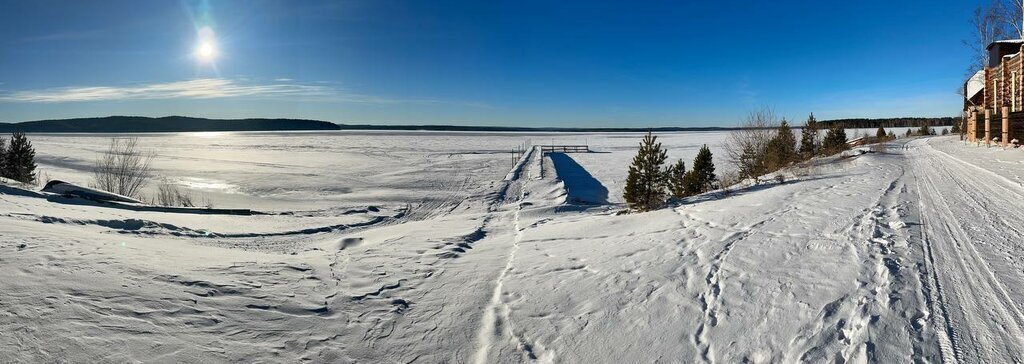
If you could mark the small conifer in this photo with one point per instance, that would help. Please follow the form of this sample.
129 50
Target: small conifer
646 182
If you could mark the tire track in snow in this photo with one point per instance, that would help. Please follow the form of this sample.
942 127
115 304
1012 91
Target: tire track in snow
985 323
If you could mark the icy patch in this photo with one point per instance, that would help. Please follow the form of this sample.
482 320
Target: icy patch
208 185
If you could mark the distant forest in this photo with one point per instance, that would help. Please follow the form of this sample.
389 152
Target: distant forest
891 122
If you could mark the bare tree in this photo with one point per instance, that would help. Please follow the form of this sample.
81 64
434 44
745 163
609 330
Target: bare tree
124 169
987 27
1011 17
746 147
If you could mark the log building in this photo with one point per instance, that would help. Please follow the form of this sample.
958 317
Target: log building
994 97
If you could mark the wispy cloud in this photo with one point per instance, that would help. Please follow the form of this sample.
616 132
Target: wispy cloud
63 36
208 88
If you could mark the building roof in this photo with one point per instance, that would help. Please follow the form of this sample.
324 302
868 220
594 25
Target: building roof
1005 41
975 84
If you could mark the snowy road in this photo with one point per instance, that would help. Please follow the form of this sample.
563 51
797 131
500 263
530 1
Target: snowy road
971 229
911 254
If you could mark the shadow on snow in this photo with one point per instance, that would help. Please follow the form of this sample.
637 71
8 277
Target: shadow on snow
580 185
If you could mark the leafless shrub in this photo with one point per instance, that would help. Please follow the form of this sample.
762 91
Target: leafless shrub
727 180
123 169
746 147
169 194
42 178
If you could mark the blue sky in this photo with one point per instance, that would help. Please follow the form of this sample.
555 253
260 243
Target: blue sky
516 63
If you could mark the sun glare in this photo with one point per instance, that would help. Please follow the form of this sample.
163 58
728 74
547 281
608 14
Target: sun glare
206 51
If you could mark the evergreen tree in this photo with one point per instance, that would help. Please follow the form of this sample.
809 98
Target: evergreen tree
645 185
751 162
880 134
692 184
956 128
3 155
809 137
676 173
781 149
892 135
704 169
19 161
835 141
925 130
909 133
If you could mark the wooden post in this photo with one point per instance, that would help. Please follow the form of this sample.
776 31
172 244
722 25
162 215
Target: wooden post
988 126
1006 127
972 119
972 127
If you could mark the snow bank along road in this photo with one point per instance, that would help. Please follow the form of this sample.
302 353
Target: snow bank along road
907 255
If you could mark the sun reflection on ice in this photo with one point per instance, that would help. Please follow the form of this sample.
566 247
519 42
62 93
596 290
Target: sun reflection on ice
208 185
210 134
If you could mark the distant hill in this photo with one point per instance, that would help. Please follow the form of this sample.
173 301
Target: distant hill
138 124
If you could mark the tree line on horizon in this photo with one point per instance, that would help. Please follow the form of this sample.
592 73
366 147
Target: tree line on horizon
906 122
139 124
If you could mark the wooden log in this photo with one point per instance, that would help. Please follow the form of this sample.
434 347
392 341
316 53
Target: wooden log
1006 127
988 126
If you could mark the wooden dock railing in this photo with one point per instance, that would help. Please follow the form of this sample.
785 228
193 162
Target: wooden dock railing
565 148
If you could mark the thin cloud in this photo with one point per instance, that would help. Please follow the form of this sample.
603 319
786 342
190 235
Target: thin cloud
210 88
63 36
207 88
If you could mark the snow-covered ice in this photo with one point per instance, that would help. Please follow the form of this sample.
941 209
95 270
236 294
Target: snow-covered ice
403 247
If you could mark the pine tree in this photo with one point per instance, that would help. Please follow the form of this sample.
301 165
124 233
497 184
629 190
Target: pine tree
809 137
925 130
751 162
691 184
781 149
19 161
880 134
676 173
646 183
835 141
3 155
704 169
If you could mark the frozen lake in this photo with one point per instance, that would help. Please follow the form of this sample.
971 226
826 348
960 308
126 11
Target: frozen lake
312 170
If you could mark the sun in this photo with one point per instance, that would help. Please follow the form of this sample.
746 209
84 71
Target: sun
206 50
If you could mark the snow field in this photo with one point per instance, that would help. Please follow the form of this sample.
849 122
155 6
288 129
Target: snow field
867 258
